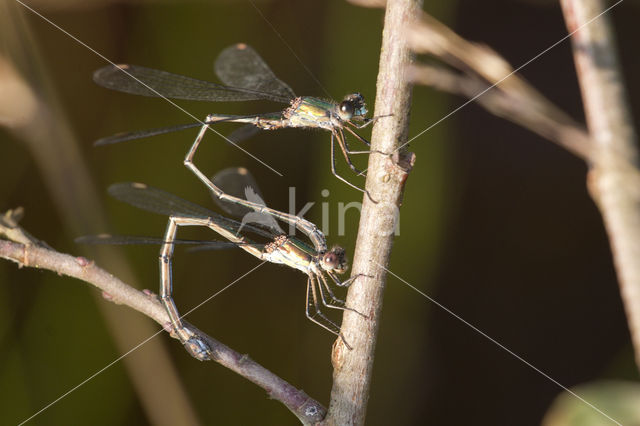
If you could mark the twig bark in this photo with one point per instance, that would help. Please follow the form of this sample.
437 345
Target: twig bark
385 181
614 178
510 103
305 408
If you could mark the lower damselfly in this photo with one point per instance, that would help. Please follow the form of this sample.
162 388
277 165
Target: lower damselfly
246 77
321 268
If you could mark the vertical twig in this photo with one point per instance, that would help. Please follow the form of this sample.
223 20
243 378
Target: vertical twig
614 179
385 180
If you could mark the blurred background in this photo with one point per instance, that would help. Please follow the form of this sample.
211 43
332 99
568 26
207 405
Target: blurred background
496 224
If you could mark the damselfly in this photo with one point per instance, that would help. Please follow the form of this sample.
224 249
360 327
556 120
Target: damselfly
279 248
246 77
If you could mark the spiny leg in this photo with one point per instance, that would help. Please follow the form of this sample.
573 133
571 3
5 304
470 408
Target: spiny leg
312 302
363 140
334 302
333 170
339 135
369 121
362 126
360 138
324 284
347 152
348 281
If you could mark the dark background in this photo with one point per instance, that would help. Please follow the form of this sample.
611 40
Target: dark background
496 224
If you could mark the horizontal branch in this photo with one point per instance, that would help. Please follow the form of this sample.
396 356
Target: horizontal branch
305 408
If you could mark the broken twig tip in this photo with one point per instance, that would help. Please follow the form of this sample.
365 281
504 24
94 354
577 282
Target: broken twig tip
404 159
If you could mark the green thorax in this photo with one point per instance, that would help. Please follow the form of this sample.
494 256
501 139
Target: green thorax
312 112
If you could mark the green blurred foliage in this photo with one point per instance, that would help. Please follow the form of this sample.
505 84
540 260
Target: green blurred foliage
620 401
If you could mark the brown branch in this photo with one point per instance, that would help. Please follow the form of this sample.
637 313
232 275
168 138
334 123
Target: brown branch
114 290
509 103
614 179
385 181
489 80
369 3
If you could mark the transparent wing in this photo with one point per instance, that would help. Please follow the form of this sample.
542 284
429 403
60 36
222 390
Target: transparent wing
144 81
243 133
240 66
240 183
155 200
233 181
128 136
140 240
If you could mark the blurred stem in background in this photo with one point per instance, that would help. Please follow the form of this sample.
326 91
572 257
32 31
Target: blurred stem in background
34 115
614 175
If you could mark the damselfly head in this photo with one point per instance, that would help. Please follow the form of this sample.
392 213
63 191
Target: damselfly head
335 260
352 106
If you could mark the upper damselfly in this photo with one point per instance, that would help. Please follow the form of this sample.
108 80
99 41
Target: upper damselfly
246 77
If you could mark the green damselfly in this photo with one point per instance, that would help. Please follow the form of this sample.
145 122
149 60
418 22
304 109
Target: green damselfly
321 267
246 77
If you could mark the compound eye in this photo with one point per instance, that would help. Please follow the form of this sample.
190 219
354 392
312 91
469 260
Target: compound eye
330 259
346 109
